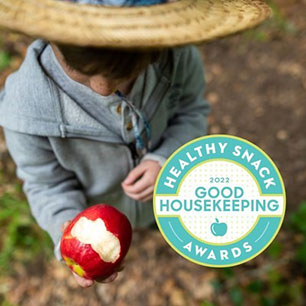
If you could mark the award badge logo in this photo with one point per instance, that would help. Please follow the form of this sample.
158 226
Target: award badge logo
219 201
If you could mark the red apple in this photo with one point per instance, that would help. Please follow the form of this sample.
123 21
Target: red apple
96 241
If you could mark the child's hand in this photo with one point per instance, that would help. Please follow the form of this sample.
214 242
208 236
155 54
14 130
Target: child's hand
83 282
143 188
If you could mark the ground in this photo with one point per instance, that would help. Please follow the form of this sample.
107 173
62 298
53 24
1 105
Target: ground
256 84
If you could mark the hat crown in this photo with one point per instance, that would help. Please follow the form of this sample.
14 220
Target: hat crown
119 2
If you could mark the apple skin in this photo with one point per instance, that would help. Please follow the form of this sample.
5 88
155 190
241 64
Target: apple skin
81 258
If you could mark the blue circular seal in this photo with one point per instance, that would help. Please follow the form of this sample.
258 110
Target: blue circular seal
219 201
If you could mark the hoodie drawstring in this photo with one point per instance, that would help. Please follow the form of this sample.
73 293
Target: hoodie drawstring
140 145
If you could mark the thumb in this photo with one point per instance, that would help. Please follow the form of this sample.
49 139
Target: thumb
65 225
134 174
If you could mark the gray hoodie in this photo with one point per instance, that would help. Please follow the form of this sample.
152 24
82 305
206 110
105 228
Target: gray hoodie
72 147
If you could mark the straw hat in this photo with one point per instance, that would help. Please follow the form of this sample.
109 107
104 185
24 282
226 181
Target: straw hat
142 24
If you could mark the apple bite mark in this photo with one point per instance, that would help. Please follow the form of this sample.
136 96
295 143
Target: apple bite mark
105 243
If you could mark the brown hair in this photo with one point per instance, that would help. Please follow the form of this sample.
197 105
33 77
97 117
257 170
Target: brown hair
111 63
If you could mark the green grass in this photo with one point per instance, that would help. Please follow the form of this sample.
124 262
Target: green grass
275 26
298 219
6 303
205 303
236 296
278 287
275 250
256 286
298 225
278 20
21 238
5 60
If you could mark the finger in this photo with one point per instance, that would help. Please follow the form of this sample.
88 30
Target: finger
65 225
134 174
108 279
140 196
121 266
140 185
83 282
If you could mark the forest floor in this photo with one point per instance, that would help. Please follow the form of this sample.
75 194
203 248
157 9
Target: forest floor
256 84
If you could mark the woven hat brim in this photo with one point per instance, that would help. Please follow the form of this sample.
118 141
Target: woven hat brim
162 25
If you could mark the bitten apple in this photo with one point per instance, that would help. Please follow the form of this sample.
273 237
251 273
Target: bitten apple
96 241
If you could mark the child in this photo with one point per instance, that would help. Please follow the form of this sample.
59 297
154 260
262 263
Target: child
86 125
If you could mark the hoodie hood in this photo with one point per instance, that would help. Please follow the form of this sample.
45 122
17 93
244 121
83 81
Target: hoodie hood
27 99
31 102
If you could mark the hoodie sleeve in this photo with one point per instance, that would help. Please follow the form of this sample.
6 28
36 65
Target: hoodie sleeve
150 156
53 193
190 121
